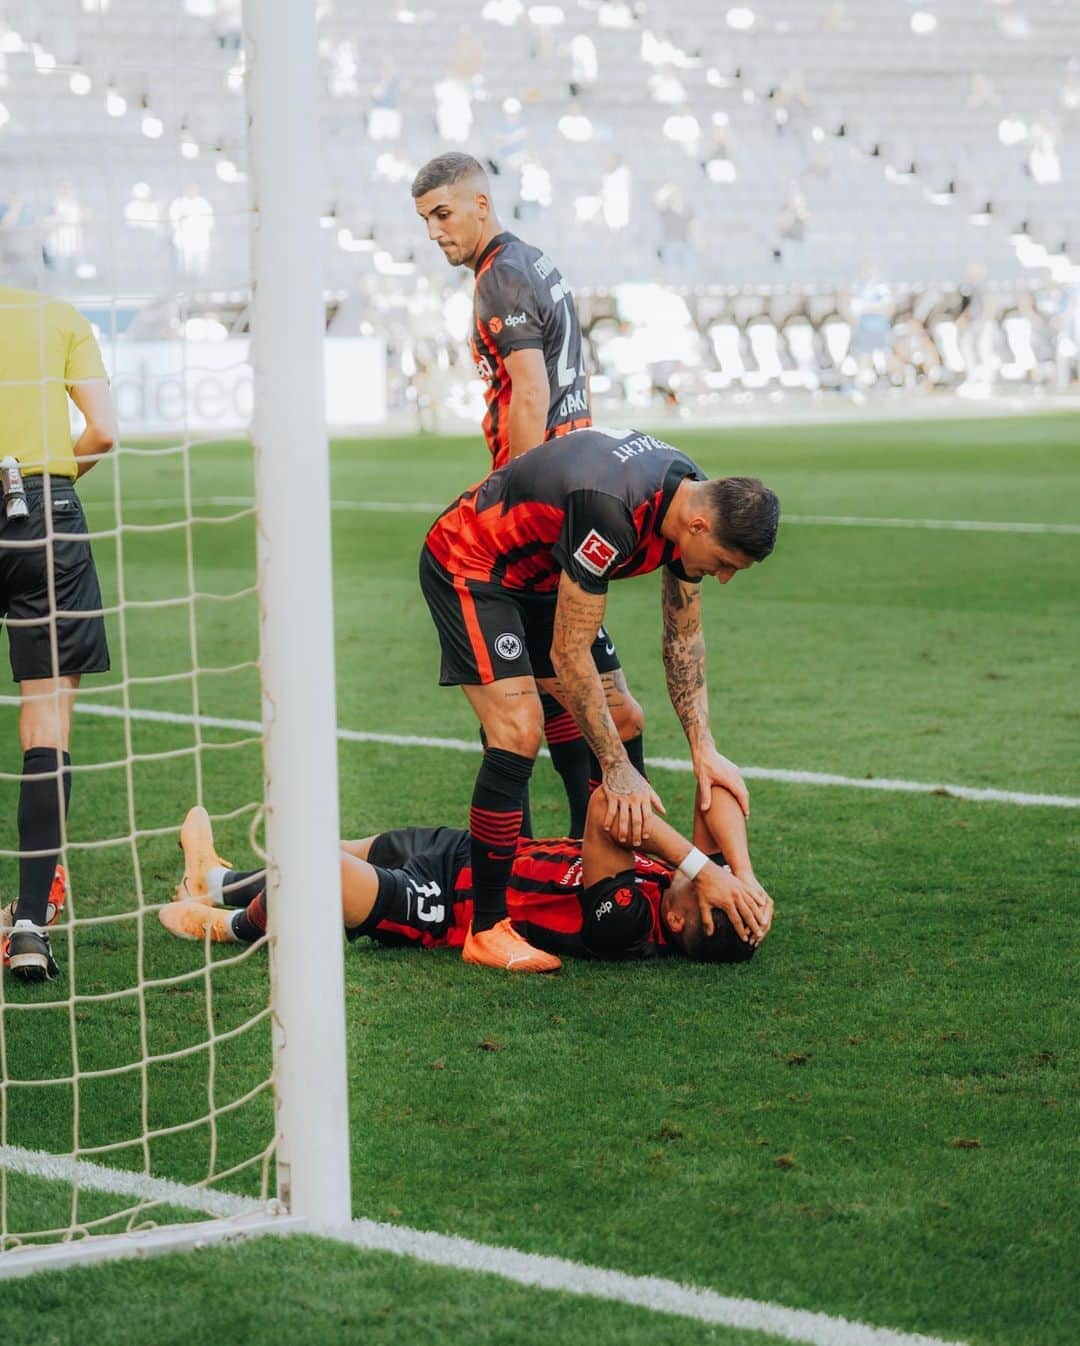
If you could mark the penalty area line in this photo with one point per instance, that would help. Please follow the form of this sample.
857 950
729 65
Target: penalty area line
653 1293
972 793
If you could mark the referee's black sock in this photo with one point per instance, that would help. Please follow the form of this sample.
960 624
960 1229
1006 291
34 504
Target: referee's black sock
241 886
43 805
494 828
570 755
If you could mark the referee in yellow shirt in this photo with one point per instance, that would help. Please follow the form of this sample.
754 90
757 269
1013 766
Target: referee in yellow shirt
49 590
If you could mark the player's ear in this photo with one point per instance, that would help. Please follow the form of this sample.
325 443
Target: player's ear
699 524
675 920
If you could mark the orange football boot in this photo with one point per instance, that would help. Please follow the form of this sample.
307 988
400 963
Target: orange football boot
502 946
191 919
197 843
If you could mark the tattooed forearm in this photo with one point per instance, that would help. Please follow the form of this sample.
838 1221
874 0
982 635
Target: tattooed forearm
684 656
577 619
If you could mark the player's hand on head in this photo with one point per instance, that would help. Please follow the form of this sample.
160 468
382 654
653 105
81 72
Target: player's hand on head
719 889
712 768
749 881
630 803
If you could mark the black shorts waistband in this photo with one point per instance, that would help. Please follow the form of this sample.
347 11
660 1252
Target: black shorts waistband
57 482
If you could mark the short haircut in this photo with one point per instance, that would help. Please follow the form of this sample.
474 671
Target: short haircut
722 946
444 170
746 515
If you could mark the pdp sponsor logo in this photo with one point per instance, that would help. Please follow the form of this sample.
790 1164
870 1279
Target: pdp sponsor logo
496 326
596 553
515 320
507 646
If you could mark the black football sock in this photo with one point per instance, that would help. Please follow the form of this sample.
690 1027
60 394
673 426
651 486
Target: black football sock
494 827
570 755
41 815
241 886
526 814
526 806
249 924
635 750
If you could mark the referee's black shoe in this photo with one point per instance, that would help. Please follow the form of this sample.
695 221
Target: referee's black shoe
28 954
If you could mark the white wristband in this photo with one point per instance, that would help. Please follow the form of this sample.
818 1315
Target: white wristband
693 862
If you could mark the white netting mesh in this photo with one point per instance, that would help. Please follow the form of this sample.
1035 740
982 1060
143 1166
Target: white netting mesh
148 1054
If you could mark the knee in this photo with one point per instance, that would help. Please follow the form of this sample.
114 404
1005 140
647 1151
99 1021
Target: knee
629 718
521 732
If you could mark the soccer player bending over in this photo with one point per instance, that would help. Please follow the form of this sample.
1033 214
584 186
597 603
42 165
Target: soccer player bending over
515 573
594 898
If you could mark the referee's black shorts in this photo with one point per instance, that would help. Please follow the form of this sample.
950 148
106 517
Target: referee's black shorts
488 633
74 605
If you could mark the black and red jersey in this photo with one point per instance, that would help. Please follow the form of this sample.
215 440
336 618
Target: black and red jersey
590 503
545 898
521 302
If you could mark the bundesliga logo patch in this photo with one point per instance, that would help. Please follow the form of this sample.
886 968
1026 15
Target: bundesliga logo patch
596 553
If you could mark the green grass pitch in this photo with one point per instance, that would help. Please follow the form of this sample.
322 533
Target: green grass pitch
875 1118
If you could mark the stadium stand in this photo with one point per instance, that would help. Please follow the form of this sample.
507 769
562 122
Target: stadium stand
719 158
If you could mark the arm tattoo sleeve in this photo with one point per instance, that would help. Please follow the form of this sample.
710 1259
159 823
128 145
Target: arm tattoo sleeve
577 619
684 656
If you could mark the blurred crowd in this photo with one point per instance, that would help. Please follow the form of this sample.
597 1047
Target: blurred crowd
686 351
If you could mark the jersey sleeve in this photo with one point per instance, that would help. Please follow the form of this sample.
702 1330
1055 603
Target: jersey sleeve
508 307
83 356
597 534
616 918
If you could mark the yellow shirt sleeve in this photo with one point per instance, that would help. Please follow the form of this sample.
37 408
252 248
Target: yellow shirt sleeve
83 356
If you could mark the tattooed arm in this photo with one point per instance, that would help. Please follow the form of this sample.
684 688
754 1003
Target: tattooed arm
578 616
684 664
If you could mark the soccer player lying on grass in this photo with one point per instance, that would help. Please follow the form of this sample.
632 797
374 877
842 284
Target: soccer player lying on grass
592 898
515 573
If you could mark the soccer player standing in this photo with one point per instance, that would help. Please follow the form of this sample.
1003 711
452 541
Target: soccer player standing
515 573
49 590
526 343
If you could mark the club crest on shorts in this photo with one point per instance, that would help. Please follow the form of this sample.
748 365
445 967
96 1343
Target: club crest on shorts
507 646
596 553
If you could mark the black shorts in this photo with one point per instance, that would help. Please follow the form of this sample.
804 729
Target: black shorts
418 871
24 587
488 633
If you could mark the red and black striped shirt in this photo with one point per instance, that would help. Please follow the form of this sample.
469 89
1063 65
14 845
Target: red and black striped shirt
589 503
521 302
544 899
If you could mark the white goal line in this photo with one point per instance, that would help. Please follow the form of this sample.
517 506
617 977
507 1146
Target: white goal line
818 520
532 1269
975 794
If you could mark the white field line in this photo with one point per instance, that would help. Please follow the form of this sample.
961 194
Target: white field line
976 794
532 1269
819 520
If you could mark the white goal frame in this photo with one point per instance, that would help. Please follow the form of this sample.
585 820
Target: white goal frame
297 665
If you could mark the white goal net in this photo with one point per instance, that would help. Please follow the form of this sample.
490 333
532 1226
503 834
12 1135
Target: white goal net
157 1082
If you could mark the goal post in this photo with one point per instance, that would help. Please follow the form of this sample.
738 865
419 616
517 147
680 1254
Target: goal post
135 1090
292 485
